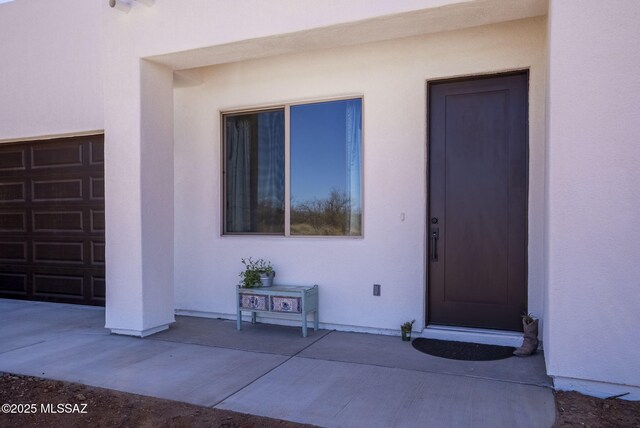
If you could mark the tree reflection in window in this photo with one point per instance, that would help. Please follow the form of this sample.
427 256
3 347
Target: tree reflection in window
326 171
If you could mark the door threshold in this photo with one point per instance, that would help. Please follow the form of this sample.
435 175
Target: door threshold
473 335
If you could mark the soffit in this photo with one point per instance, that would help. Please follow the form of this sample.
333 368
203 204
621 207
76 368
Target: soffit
432 20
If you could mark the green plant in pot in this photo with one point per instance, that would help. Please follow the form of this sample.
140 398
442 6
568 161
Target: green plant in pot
406 330
257 273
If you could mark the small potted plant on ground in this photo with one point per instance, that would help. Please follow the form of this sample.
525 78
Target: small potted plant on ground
258 273
530 341
406 330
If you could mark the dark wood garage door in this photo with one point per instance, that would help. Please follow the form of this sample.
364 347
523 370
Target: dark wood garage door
52 220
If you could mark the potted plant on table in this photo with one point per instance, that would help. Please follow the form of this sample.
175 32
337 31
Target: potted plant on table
257 273
406 330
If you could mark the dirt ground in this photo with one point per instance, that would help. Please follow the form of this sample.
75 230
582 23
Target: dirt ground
107 408
78 405
577 410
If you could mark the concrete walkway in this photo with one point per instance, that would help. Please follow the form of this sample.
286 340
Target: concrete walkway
330 378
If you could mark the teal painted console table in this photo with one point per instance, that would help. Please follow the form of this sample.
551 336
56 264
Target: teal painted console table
281 299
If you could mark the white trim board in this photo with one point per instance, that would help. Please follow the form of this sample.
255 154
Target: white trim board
45 137
474 335
139 333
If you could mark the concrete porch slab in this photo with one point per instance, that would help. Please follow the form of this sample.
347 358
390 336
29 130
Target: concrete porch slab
25 323
338 394
264 338
390 351
329 378
176 371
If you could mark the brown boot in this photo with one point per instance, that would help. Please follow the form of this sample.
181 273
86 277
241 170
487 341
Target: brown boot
530 342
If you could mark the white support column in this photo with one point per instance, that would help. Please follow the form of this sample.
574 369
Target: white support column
139 199
157 196
593 197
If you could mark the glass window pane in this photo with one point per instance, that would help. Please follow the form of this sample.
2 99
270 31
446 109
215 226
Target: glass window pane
254 167
326 171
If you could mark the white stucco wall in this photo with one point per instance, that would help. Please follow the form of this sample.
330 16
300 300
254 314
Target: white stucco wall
593 294
179 37
392 77
51 75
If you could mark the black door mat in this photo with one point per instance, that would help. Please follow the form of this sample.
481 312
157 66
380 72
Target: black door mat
462 350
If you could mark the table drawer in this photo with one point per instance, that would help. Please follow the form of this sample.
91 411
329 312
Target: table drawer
252 301
286 304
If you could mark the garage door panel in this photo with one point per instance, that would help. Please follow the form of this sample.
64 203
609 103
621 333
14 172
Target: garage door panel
13 282
97 253
48 155
97 221
58 190
58 252
70 285
96 156
12 192
98 289
58 221
13 221
97 187
12 159
12 251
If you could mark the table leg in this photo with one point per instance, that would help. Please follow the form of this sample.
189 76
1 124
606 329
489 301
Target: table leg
304 324
315 320
239 319
253 317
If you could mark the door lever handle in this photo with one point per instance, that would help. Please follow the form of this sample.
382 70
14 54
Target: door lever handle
434 236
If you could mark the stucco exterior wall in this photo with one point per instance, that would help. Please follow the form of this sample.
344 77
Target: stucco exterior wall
392 77
178 37
51 74
593 296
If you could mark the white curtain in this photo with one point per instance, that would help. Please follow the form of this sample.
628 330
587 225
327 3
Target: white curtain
271 159
255 172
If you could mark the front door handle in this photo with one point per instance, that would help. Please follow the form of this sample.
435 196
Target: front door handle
433 239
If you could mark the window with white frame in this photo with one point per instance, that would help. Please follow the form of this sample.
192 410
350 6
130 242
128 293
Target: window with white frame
294 170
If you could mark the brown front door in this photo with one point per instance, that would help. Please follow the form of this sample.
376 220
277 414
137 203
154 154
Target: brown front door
478 155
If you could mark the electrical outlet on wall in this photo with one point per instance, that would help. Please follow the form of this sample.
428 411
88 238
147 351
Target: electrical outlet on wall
376 289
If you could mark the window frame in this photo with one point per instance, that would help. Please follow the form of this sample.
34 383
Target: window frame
287 166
